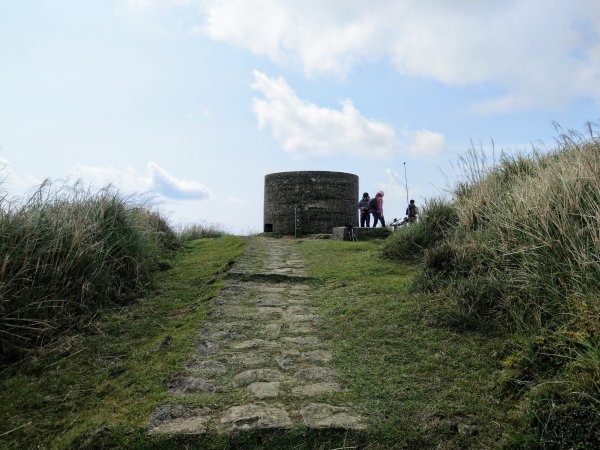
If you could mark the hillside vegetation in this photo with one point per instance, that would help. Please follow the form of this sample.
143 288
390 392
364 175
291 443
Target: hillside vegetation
497 345
517 250
95 387
68 251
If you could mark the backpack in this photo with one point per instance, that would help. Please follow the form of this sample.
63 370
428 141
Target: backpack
412 210
373 204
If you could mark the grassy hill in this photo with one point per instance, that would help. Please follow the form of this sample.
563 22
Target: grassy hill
517 250
420 383
475 328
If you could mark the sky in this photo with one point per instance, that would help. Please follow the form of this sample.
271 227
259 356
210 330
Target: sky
192 102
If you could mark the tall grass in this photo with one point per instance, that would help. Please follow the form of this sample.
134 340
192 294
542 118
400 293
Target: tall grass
525 255
437 221
67 251
536 220
191 232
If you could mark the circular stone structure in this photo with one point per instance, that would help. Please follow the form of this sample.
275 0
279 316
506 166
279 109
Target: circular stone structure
310 202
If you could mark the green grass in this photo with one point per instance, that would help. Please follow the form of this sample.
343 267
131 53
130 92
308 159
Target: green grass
419 382
523 256
114 372
438 220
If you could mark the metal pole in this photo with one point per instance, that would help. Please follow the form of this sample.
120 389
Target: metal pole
296 222
406 180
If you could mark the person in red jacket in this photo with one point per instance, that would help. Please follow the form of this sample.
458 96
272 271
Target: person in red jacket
378 212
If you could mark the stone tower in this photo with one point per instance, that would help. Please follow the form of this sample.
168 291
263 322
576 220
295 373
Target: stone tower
310 202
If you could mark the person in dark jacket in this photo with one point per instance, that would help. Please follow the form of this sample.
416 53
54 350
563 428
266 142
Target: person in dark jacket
378 211
363 206
411 212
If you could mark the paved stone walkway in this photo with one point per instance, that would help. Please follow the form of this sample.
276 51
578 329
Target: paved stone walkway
259 361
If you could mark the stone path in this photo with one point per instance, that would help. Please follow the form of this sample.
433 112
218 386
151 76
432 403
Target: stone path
259 362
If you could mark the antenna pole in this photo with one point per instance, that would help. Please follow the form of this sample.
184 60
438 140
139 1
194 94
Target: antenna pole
406 180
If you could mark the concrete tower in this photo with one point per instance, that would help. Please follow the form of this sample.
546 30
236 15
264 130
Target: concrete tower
310 202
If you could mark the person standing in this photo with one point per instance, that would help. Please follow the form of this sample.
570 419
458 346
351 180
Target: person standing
363 205
411 212
378 211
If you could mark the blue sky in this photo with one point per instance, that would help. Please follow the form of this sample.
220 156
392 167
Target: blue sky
193 102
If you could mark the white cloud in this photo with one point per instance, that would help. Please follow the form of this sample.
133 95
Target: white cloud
141 5
13 181
156 183
173 188
303 128
539 53
426 143
146 5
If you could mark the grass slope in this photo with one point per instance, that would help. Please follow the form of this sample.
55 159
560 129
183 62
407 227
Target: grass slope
522 255
102 384
423 385
66 252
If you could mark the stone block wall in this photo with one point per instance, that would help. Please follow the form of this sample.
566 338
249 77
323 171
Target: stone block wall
310 202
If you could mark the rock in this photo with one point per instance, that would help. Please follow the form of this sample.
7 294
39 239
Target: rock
253 344
264 390
270 300
221 301
190 385
256 416
234 313
268 311
247 359
301 310
298 288
274 289
204 348
282 270
315 374
301 327
303 340
272 330
302 318
316 389
209 367
318 356
222 335
286 361
254 375
188 425
298 301
168 413
239 325
321 415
